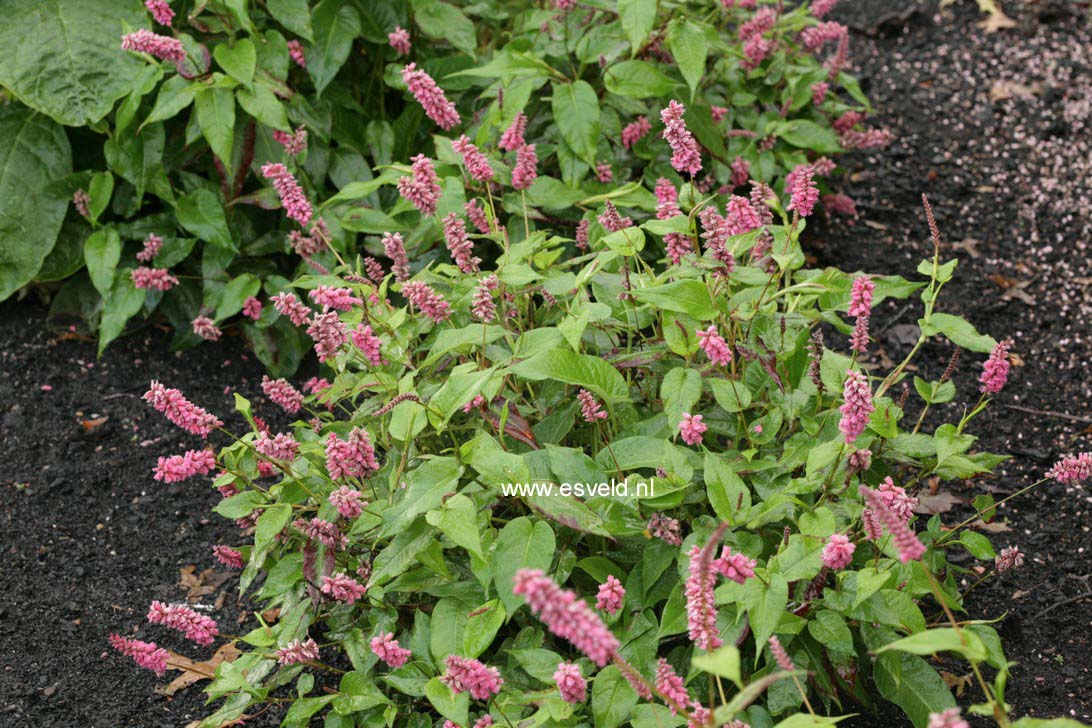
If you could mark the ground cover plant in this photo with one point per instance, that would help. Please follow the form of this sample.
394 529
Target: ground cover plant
776 573
143 149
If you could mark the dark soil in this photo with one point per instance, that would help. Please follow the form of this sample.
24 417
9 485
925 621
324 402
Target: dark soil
88 539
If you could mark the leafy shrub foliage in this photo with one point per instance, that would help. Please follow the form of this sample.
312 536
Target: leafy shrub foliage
174 148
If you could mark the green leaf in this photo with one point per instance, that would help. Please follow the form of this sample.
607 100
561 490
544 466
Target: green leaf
942 639
522 544
402 551
680 391
261 103
733 396
175 94
35 152
830 630
457 519
201 214
122 303
216 115
336 24
455 708
637 17
765 607
425 489
292 14
637 80
612 698
913 685
446 22
102 251
270 523
628 241
809 135
238 60
724 661
235 294
687 44
979 546
583 370
690 297
728 494
959 331
64 58
576 113
100 190
481 627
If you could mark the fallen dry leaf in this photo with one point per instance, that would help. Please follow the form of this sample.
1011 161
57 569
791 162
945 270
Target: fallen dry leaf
969 246
992 526
959 682
997 19
196 671
875 225
200 585
938 503
1001 90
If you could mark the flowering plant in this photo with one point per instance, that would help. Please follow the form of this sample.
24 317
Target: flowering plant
207 108
643 471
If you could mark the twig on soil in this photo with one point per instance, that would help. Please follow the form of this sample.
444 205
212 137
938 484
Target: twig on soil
1062 603
1049 413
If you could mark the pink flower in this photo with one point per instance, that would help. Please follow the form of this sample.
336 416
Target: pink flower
288 305
152 245
294 143
295 52
512 138
368 343
283 446
782 657
177 468
714 346
474 404
305 245
206 328
459 245
872 527
715 231
741 171
634 131
718 113
387 649
691 428
685 157
162 47
524 173
82 201
463 674
816 36
839 204
395 249
671 686
348 502
421 187
838 553
181 411
351 458
741 216
581 235
590 409
1010 558
610 596
229 557
667 199
762 22
477 216
604 173
857 408
482 305
476 164
146 654
252 308
374 269
860 297
296 205
859 461
328 333
566 615
947 719
426 300
399 40
326 533
159 279
281 392
803 190
819 8
665 528
859 340
734 567
430 96
755 50
329 297
195 627
1072 469
824 166
297 653
342 588
819 92
484 722
907 543
570 682
315 385
896 499
701 609
611 220
995 372
160 10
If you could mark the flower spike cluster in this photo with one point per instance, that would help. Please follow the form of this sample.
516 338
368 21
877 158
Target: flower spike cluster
566 615
180 410
295 202
685 155
430 96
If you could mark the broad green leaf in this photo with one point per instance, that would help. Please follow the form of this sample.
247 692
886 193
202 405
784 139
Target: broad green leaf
569 511
689 297
680 391
909 682
292 14
100 190
102 251
733 396
765 607
482 626
443 21
612 697
583 370
522 544
728 494
261 103
270 523
453 707
216 115
830 630
959 331
175 94
400 553
576 113
63 57
628 241
637 80
336 25
235 294
724 661
357 693
138 159
426 486
238 60
34 153
122 303
942 639
637 17
457 518
687 44
809 135
201 214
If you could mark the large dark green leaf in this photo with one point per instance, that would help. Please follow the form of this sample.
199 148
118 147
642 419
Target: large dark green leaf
576 113
638 17
292 14
203 215
335 27
34 153
216 115
63 58
446 22
637 79
583 370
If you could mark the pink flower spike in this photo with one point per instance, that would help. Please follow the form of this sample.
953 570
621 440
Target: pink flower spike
570 682
177 468
477 216
860 296
701 609
782 657
282 393
160 10
365 339
949 718
634 131
819 8
838 553
146 654
294 143
590 409
665 528
387 649
194 626
421 187
206 328
430 96
426 300
322 531
910 548
162 47
152 245
342 588
341 299
477 166
719 113
995 372
252 308
157 279
353 458
298 653
685 155
566 615
288 305
604 173
229 557
349 502
328 333
181 411
741 172
512 138
525 172
463 674
1009 559
714 346
1072 469
459 245
395 249
610 596
82 201
482 305
671 686
857 408
611 220
295 52
295 202
400 40
803 190
691 428
734 567
281 446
